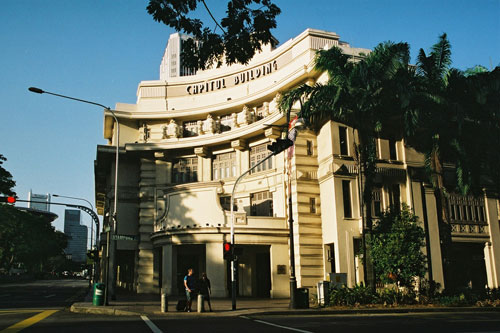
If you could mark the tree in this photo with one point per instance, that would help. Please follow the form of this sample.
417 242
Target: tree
25 238
243 31
396 247
368 96
6 181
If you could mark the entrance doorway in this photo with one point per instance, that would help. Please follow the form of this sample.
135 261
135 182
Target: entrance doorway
253 278
467 267
189 256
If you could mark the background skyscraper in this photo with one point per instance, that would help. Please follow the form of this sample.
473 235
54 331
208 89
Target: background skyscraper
77 233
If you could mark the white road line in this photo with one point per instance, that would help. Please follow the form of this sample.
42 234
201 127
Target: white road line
48 296
285 327
151 325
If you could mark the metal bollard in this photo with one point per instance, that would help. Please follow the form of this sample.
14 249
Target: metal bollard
201 303
164 301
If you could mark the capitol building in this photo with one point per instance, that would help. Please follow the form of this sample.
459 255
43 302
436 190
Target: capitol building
190 135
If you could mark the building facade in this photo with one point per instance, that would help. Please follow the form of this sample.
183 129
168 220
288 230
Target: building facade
77 236
188 138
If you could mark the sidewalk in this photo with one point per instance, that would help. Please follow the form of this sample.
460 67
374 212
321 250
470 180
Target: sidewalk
129 304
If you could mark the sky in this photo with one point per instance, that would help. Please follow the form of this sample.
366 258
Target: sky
100 50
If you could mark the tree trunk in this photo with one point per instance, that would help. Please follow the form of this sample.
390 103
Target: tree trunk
442 208
367 165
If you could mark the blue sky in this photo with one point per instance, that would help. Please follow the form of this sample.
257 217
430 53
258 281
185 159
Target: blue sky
101 49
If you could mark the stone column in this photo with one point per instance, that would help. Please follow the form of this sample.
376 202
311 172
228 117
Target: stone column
434 241
280 270
490 205
215 267
167 268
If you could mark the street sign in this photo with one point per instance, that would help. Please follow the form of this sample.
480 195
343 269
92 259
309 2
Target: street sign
124 237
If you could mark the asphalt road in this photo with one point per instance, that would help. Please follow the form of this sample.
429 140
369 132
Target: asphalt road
43 307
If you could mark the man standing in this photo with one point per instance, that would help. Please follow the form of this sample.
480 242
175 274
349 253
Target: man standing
189 284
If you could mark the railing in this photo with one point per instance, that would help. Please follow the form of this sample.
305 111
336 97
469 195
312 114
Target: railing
467 214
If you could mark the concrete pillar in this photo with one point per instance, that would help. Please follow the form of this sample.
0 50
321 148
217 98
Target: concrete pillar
280 271
216 270
490 205
490 267
434 240
167 266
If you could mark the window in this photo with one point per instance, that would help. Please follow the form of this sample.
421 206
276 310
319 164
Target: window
392 149
224 166
376 202
312 205
343 140
346 194
257 154
330 252
225 203
309 148
261 204
185 170
190 128
394 197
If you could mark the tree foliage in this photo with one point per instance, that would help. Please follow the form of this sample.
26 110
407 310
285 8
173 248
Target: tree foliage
6 182
244 30
27 239
396 247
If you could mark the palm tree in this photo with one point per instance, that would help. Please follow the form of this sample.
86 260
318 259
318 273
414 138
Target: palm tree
367 95
458 119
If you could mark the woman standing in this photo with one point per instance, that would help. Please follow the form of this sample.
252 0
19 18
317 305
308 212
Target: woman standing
205 289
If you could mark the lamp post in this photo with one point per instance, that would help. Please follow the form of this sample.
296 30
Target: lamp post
91 225
110 254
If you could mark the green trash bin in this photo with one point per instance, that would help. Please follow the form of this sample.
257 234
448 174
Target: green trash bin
98 294
302 298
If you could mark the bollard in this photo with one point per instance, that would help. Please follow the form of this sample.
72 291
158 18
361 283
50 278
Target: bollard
201 303
164 301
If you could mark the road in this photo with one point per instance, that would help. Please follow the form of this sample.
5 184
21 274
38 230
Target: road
43 307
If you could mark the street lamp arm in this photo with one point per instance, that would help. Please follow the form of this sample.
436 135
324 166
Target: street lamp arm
40 91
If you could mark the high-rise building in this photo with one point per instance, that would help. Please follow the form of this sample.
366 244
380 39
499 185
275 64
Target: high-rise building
39 201
171 63
77 236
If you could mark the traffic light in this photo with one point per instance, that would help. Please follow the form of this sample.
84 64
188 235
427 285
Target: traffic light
9 199
279 145
228 251
93 254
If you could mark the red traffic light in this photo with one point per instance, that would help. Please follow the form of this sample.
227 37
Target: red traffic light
9 199
227 247
228 251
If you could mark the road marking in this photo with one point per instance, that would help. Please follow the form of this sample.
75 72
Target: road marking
28 322
48 296
151 325
285 327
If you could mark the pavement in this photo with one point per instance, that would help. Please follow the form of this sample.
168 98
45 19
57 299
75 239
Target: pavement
131 304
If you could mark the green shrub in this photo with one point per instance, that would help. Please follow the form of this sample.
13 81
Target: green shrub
358 295
395 297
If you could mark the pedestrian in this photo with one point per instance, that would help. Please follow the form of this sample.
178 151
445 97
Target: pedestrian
205 289
189 284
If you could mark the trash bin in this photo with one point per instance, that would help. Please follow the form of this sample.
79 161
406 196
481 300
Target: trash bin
323 293
98 294
302 298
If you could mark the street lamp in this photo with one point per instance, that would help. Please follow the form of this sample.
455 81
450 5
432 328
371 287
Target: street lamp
91 225
110 254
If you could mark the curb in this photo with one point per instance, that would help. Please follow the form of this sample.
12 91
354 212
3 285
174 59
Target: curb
85 307
102 310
